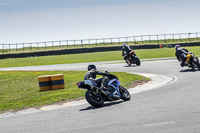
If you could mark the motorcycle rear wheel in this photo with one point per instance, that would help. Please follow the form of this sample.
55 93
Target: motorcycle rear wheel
125 95
95 100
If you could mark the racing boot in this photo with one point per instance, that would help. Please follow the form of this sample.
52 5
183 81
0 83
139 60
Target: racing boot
183 64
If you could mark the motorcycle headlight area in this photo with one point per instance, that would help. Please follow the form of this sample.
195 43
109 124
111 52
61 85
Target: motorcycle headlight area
79 84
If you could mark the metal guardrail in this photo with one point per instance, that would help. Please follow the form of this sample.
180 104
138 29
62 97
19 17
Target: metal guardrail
101 42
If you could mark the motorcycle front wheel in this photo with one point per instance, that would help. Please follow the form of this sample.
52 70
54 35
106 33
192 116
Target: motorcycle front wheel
196 63
94 99
137 60
125 95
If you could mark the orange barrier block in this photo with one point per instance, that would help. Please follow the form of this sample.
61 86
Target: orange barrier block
57 81
44 82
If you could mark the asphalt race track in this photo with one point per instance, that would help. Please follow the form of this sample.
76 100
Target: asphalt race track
173 108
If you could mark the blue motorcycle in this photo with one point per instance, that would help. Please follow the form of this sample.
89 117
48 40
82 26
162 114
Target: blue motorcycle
96 96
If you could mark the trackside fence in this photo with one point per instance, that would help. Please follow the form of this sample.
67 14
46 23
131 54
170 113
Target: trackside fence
165 39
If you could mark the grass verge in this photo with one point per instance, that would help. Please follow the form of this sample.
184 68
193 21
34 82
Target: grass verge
91 57
20 89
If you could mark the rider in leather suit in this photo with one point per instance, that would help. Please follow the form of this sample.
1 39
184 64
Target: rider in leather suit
101 82
92 72
125 51
181 54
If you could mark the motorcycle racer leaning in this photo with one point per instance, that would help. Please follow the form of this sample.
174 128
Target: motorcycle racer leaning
125 51
91 75
181 54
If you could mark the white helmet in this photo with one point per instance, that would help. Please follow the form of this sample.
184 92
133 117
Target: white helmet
177 46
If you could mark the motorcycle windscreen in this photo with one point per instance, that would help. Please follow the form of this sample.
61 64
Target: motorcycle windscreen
118 83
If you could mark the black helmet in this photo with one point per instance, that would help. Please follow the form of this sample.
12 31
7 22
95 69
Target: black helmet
92 66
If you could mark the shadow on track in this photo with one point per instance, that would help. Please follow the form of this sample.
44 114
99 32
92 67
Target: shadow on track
131 66
108 104
189 70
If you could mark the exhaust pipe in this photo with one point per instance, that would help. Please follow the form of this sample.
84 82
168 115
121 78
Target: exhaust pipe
99 90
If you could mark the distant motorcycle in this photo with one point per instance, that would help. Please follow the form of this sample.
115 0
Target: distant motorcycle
133 59
97 96
192 61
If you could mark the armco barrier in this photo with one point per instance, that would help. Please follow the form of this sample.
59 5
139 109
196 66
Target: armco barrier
87 50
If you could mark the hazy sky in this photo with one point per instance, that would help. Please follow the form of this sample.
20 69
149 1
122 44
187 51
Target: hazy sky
51 20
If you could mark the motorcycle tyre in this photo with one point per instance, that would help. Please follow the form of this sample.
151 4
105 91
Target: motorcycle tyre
137 60
92 101
197 64
123 96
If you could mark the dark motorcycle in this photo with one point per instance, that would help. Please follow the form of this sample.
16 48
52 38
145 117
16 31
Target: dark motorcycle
133 59
192 61
96 96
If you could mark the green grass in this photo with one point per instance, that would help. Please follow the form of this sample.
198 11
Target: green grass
91 57
20 90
